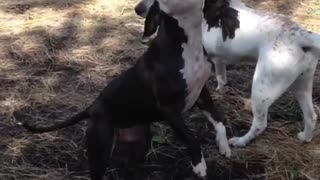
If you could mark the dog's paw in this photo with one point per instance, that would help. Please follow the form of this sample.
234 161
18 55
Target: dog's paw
304 138
224 149
19 123
200 169
222 141
221 89
237 142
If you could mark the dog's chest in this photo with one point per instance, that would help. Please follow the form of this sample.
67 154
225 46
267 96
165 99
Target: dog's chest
196 72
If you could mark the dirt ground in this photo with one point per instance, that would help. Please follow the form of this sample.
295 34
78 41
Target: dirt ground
55 57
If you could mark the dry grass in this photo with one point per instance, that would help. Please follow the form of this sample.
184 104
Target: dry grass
56 55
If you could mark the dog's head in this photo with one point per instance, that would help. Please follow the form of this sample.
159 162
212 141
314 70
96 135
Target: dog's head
153 10
152 19
171 7
217 13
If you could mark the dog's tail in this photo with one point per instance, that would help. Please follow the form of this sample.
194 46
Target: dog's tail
73 120
310 41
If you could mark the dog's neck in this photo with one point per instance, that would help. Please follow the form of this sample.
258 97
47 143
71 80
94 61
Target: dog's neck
181 32
193 48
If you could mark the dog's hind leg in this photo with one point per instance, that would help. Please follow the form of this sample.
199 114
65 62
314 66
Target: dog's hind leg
131 146
221 74
99 138
271 79
303 92
205 103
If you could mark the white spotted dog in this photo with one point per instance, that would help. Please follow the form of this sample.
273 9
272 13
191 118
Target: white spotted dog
228 16
286 54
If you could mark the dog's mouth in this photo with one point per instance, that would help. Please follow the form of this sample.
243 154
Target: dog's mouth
145 40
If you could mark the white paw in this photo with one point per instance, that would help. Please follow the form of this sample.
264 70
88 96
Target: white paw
224 149
237 141
201 168
222 141
302 137
221 89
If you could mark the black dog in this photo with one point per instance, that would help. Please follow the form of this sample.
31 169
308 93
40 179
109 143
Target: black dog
159 87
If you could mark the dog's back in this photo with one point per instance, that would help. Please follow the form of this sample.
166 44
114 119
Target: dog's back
257 30
234 49
128 99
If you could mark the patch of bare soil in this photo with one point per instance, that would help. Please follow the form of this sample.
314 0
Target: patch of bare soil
56 55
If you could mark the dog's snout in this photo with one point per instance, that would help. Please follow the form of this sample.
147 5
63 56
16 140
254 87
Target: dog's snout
140 9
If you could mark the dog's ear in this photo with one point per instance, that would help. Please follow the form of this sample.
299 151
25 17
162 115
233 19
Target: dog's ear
229 23
152 20
219 14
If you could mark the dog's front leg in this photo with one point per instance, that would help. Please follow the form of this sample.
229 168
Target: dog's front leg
221 74
205 103
182 131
